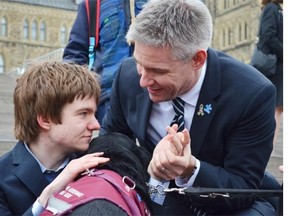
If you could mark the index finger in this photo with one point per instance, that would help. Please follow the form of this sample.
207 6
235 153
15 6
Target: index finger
175 144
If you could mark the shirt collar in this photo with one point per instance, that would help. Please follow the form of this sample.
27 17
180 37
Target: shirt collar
191 97
42 167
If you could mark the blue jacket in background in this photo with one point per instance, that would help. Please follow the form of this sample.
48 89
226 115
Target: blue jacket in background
112 48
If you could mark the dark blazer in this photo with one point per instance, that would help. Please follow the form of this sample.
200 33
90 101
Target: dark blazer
21 182
233 142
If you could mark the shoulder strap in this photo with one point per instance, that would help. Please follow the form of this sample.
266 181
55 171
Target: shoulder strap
93 15
108 185
132 10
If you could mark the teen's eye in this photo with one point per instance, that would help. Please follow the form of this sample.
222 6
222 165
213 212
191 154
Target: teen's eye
83 114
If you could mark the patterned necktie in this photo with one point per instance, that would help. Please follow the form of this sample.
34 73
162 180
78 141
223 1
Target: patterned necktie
178 106
50 175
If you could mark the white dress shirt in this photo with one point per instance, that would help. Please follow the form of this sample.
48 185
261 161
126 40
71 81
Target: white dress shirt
162 114
37 209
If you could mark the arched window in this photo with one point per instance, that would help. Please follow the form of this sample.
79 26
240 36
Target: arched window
2 64
230 36
226 4
34 34
3 29
240 32
26 29
223 38
63 36
246 31
43 31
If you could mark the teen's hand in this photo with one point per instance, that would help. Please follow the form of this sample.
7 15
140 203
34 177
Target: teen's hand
70 172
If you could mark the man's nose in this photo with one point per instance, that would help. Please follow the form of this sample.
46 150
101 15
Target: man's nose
145 79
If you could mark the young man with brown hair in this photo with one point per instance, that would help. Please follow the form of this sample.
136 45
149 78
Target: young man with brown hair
54 106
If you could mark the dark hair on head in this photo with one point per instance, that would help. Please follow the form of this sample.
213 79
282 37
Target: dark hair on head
264 2
126 159
98 207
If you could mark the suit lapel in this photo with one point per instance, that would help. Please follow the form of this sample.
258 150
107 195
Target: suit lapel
206 104
144 104
27 170
201 123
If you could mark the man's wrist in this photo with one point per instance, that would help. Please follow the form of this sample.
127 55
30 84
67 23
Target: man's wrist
189 180
156 190
191 169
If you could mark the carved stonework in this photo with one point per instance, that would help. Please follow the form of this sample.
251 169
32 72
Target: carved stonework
15 49
235 26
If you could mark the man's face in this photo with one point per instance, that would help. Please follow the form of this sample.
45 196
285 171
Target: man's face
164 77
78 123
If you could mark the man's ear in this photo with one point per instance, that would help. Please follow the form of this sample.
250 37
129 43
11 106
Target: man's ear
43 122
199 59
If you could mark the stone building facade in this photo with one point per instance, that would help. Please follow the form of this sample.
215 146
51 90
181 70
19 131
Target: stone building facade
235 26
33 28
37 27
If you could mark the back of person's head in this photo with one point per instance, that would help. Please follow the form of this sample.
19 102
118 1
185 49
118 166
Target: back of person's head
126 159
44 89
185 26
264 2
98 207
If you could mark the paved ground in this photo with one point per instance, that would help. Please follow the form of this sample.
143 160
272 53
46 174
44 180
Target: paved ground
7 139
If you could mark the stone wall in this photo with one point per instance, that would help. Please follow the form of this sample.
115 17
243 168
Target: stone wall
14 48
235 26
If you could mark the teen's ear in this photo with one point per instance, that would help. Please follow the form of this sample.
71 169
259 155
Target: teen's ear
43 122
199 59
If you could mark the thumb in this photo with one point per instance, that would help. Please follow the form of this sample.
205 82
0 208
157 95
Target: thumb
185 137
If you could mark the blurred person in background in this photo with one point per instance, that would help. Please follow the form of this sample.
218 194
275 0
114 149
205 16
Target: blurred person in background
271 31
115 19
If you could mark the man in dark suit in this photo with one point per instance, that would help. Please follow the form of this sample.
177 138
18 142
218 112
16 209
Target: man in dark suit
228 109
54 118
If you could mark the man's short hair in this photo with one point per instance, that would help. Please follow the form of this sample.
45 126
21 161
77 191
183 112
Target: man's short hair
185 26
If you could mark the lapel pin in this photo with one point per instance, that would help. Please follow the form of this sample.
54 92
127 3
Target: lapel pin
208 108
200 112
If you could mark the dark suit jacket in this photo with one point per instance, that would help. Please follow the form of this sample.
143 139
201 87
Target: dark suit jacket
21 182
233 142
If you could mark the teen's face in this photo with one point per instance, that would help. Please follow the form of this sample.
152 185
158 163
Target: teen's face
78 123
164 77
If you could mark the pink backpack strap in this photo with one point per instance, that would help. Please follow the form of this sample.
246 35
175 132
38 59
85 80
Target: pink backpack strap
110 186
